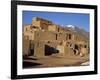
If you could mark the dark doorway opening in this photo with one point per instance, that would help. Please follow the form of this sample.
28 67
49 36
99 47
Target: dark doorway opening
76 52
76 46
50 50
31 50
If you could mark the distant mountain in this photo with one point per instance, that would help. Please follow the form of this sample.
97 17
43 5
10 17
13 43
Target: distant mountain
71 27
79 31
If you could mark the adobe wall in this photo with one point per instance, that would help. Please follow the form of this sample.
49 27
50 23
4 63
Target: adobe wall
53 27
26 46
30 35
39 49
44 35
61 36
43 24
51 36
26 28
36 23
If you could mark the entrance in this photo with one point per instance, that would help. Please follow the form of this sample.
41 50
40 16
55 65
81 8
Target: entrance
76 46
31 53
76 49
50 50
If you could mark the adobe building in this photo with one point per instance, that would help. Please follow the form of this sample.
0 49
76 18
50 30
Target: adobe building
44 38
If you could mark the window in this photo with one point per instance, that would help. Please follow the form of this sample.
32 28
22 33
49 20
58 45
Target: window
56 36
26 29
85 46
58 29
69 36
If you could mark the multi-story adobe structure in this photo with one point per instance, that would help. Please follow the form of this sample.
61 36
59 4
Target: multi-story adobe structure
44 38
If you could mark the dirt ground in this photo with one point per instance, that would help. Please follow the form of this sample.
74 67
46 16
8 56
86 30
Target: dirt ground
55 61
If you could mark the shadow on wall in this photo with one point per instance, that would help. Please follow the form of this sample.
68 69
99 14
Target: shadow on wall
50 50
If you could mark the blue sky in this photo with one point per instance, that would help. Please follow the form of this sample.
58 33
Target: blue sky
76 19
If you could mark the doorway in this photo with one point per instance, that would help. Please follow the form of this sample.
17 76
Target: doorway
50 50
31 53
